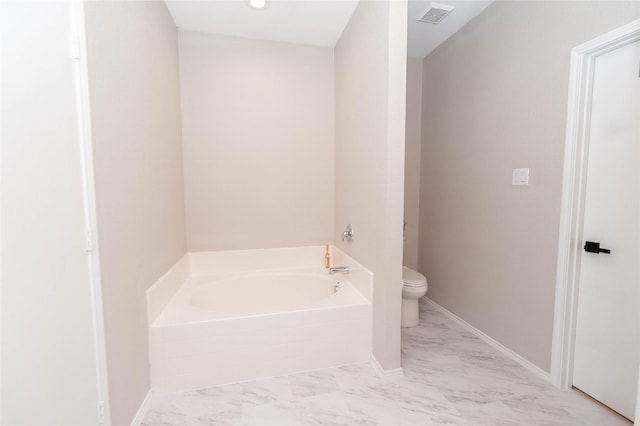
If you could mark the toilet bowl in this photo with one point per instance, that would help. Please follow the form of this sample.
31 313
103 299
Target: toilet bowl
414 286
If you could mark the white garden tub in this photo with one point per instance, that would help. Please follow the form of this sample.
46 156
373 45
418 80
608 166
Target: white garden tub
224 317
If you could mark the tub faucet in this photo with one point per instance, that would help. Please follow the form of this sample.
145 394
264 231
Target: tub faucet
339 270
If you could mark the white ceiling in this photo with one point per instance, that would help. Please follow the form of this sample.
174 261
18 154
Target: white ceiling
423 38
313 22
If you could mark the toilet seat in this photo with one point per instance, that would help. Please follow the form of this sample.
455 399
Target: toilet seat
411 278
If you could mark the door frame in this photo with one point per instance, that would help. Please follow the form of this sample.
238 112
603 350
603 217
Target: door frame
573 193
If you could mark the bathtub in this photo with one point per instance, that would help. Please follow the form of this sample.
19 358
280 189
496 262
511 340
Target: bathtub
224 317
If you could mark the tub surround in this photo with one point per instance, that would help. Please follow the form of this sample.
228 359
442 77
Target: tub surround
160 293
359 276
217 262
191 347
235 261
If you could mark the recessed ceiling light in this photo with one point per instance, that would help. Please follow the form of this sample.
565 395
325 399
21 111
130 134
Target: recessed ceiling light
259 4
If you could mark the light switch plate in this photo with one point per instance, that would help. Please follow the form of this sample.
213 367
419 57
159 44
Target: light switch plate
520 177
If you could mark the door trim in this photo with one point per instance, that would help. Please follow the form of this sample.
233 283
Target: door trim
573 192
79 56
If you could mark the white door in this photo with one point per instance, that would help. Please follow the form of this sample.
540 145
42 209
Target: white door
608 326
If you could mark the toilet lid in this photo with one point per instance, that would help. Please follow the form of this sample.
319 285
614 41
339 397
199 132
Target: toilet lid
411 278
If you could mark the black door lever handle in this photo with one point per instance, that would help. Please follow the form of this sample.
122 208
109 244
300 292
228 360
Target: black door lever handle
593 247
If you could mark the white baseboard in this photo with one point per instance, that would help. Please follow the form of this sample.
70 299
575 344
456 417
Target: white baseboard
500 347
142 410
381 372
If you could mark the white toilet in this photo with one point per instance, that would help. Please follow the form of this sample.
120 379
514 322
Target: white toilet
414 286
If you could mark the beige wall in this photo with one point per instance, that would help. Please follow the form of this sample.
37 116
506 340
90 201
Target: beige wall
258 142
135 102
370 74
412 162
494 99
49 372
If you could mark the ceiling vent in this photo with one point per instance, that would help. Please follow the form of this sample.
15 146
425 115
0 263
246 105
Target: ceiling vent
435 13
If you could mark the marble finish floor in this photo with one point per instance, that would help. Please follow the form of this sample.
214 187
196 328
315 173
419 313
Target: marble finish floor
450 378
